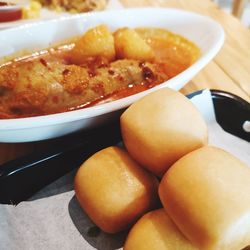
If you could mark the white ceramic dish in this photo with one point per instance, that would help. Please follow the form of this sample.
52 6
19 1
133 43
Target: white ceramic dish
205 32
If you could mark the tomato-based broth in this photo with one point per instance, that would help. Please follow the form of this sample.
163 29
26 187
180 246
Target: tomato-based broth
96 68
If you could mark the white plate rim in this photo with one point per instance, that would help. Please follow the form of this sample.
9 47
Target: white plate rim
53 119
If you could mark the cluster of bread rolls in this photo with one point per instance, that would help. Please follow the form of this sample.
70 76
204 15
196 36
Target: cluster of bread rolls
204 191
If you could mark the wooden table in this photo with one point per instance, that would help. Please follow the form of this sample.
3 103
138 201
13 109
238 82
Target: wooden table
229 71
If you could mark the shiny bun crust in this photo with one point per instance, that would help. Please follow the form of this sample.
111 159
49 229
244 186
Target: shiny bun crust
207 194
114 190
156 231
162 127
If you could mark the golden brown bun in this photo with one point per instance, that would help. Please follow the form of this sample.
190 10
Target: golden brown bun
162 127
155 231
113 190
207 194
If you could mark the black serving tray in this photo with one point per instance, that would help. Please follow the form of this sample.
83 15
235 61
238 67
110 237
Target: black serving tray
231 112
23 177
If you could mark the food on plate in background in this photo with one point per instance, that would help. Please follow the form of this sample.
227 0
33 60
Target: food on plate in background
74 6
156 231
14 12
88 70
32 11
9 12
162 127
207 195
114 190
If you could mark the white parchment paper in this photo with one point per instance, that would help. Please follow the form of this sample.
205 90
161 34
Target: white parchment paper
217 136
52 219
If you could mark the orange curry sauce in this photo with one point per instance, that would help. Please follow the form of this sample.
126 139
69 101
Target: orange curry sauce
173 54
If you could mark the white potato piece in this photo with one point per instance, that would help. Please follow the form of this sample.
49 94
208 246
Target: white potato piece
97 41
129 45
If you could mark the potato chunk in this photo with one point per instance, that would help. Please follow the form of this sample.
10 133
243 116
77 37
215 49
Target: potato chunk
128 44
95 42
114 190
175 48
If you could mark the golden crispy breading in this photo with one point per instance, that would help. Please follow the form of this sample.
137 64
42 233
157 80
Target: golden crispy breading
42 86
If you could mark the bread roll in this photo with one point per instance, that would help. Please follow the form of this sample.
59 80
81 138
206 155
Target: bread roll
207 194
114 190
155 231
162 127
